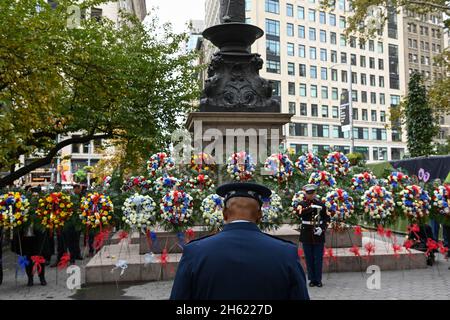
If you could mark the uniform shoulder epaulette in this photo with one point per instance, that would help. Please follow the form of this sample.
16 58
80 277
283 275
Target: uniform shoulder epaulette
201 238
281 239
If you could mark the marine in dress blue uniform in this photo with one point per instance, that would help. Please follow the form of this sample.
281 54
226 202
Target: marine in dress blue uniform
240 262
312 234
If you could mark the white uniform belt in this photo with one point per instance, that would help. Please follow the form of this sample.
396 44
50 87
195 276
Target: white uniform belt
311 223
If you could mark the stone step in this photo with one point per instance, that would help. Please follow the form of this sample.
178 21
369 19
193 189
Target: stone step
172 241
102 267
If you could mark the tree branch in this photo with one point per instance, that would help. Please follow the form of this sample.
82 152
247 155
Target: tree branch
9 179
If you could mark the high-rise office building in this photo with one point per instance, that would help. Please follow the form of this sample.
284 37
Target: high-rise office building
311 63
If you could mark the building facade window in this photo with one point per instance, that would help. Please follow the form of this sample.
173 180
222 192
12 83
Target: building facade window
292 107
291 88
290 50
301 12
273 6
273 48
273 66
301 51
301 32
303 109
273 27
289 10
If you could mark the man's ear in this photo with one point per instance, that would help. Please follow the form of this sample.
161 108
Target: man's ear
259 216
225 214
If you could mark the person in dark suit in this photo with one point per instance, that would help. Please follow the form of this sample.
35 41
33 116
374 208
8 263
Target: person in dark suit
240 262
312 235
1 255
69 237
30 242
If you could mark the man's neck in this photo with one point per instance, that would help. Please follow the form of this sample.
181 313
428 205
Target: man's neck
241 220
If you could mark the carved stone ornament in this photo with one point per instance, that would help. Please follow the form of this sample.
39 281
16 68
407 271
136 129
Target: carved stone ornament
234 83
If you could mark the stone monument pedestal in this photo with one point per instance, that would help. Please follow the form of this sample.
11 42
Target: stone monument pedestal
258 132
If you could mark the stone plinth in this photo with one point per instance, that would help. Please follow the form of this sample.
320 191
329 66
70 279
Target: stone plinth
171 241
231 132
100 268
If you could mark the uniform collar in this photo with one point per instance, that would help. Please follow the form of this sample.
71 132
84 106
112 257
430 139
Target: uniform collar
241 226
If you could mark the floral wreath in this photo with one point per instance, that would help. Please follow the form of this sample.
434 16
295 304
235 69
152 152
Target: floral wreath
54 210
176 209
241 166
202 163
398 179
200 184
136 183
337 163
13 210
339 204
279 166
308 162
322 178
360 181
97 210
441 199
160 162
165 184
415 202
296 206
212 211
378 203
272 212
107 182
139 212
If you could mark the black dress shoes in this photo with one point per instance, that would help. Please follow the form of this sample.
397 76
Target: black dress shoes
43 282
312 284
320 285
30 282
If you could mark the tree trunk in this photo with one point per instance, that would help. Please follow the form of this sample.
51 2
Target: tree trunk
14 175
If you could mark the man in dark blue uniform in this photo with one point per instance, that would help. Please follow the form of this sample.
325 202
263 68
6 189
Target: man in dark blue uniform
241 262
312 235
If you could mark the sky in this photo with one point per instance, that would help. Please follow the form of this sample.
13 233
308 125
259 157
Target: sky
178 12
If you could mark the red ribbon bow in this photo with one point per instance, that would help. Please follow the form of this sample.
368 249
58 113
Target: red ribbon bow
370 248
164 259
358 231
408 245
64 261
431 246
300 253
355 251
380 230
443 250
37 261
388 233
123 235
397 248
447 189
329 253
99 239
190 234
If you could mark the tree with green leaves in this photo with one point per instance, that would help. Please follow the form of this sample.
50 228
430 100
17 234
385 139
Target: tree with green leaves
130 83
419 118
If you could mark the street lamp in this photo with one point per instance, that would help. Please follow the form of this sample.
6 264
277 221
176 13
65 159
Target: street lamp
350 101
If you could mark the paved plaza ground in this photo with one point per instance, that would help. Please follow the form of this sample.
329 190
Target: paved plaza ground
432 283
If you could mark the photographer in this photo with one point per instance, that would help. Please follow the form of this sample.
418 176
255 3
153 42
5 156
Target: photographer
312 235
